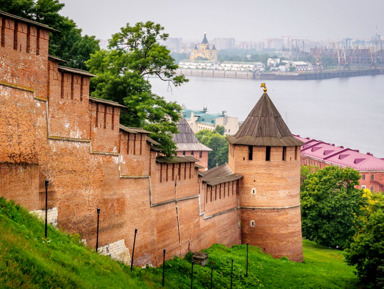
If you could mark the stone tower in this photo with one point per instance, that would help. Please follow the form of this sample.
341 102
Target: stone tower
268 156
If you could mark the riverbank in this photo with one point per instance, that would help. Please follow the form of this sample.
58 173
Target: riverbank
279 75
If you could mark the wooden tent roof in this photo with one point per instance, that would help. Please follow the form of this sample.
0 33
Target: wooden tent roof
264 126
186 140
219 175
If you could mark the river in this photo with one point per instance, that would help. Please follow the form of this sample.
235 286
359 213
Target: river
342 111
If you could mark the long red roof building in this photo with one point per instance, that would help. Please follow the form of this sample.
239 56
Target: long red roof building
321 154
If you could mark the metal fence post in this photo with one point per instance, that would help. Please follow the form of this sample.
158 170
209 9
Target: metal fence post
192 275
133 250
231 273
211 276
46 208
246 274
163 266
97 230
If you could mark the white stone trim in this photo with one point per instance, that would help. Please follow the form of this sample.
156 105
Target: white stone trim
117 251
52 215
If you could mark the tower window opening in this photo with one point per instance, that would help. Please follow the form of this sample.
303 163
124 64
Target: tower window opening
268 154
284 157
295 153
250 153
252 223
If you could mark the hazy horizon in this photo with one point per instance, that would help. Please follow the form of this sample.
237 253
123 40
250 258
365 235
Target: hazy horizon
245 20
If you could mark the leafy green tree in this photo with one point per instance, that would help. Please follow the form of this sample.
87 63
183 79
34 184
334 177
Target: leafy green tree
331 206
122 75
305 171
366 251
220 129
218 144
67 44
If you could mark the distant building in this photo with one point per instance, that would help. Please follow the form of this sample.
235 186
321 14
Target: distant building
321 154
273 62
204 52
174 44
299 66
188 145
200 119
195 64
225 43
241 66
226 66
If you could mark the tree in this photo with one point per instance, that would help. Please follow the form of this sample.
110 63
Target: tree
122 75
220 129
68 43
367 251
218 144
305 171
331 206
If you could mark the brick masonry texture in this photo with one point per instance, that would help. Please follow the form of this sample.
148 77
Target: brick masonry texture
51 130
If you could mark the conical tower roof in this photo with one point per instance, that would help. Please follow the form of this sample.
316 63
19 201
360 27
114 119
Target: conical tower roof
205 40
264 126
186 140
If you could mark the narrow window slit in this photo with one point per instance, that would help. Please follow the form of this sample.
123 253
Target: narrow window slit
268 153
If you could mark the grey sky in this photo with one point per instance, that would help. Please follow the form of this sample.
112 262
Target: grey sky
243 19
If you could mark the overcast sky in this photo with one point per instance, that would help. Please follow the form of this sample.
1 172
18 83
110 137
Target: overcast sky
252 20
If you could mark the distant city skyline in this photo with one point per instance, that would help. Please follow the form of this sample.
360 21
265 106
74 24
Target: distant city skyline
245 20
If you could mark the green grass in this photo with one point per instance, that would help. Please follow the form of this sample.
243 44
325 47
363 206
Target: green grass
27 260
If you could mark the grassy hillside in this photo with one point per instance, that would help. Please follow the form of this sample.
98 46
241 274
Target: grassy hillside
27 260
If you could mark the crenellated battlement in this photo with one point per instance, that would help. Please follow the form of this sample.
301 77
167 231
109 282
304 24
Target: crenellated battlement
51 129
23 35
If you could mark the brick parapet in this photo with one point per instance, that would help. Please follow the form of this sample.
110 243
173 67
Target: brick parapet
51 130
24 54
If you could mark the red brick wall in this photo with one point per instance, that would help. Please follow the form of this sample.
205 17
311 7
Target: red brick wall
270 196
135 154
68 104
203 160
24 69
104 127
49 130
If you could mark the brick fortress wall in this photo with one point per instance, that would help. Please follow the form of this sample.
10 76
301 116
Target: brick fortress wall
50 129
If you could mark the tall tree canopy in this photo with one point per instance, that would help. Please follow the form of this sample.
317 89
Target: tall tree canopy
219 145
366 251
331 206
67 44
123 74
